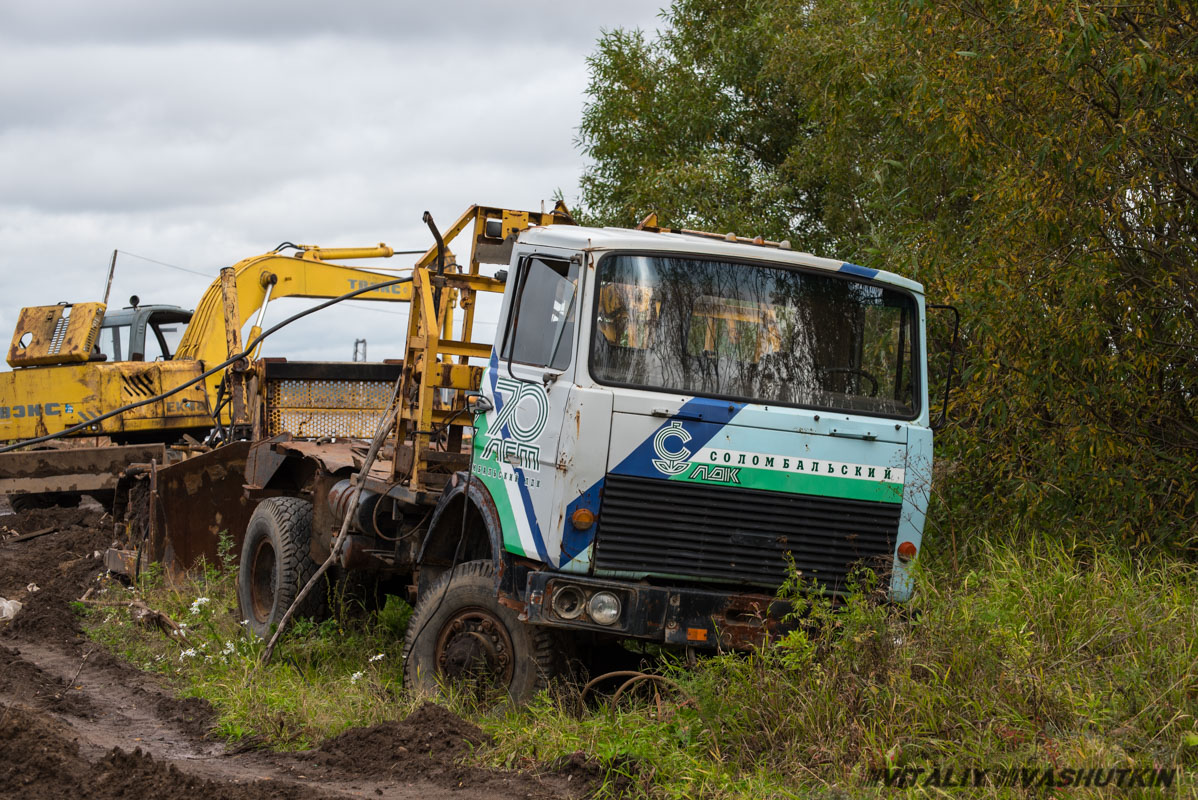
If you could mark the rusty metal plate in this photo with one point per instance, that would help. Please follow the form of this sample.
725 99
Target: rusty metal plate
78 469
55 334
197 499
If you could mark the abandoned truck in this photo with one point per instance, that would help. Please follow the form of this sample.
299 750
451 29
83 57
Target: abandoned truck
664 422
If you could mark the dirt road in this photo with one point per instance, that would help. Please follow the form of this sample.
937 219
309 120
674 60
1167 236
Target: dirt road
77 722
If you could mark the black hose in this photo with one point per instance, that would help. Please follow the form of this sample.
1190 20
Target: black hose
207 373
285 245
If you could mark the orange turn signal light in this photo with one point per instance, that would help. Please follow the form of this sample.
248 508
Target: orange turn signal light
582 518
906 551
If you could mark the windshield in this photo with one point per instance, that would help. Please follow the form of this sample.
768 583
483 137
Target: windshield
769 334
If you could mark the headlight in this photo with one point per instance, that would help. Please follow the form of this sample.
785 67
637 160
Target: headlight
604 608
568 602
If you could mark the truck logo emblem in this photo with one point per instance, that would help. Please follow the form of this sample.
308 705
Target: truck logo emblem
704 472
671 462
517 446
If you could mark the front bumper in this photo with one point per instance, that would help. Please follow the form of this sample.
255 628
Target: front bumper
702 618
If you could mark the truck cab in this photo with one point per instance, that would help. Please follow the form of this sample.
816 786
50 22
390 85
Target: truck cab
677 416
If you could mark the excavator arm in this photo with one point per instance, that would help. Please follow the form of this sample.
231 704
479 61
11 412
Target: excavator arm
244 290
275 275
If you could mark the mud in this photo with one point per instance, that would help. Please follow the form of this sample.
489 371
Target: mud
430 736
19 678
78 722
40 760
61 564
430 745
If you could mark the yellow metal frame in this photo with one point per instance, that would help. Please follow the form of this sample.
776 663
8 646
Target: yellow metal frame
429 361
228 304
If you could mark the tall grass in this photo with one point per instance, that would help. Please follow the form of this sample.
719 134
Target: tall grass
1037 655
1031 654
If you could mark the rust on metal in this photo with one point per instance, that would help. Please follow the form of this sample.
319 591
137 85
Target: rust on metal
197 500
263 461
121 562
61 334
77 469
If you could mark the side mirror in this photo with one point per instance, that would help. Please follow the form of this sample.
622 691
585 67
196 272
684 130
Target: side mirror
952 354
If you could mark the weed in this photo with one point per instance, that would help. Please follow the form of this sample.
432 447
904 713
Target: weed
1028 654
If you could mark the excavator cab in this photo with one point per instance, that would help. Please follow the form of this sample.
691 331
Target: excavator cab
143 333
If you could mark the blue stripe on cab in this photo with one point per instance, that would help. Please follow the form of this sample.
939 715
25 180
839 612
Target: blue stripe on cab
859 271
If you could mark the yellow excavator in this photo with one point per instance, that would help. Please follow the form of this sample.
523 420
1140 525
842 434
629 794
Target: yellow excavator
74 364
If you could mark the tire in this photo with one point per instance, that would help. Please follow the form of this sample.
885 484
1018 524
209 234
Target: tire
28 502
488 645
105 498
276 563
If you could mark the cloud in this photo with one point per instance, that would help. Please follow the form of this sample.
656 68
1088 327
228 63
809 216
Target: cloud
451 22
200 134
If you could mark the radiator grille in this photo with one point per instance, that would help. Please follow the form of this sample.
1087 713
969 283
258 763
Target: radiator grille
690 530
313 408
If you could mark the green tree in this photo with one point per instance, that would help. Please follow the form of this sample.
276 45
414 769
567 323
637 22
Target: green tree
1035 163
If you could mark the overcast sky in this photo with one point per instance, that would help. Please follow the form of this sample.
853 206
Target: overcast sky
198 134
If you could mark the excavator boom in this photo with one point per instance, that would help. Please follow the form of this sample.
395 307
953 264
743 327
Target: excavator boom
246 288
62 380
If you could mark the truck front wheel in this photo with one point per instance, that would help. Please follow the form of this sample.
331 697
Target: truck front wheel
460 633
276 563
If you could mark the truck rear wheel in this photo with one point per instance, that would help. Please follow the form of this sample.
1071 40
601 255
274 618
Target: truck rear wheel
276 563
460 632
28 502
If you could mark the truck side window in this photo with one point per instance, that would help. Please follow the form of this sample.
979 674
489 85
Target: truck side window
544 329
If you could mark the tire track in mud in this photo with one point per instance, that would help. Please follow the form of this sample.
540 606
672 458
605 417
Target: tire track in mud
77 722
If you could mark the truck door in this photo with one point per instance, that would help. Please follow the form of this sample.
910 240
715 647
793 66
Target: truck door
528 381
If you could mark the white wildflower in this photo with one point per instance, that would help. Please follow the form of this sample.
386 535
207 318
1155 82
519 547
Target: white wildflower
199 603
357 676
229 648
379 657
188 653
